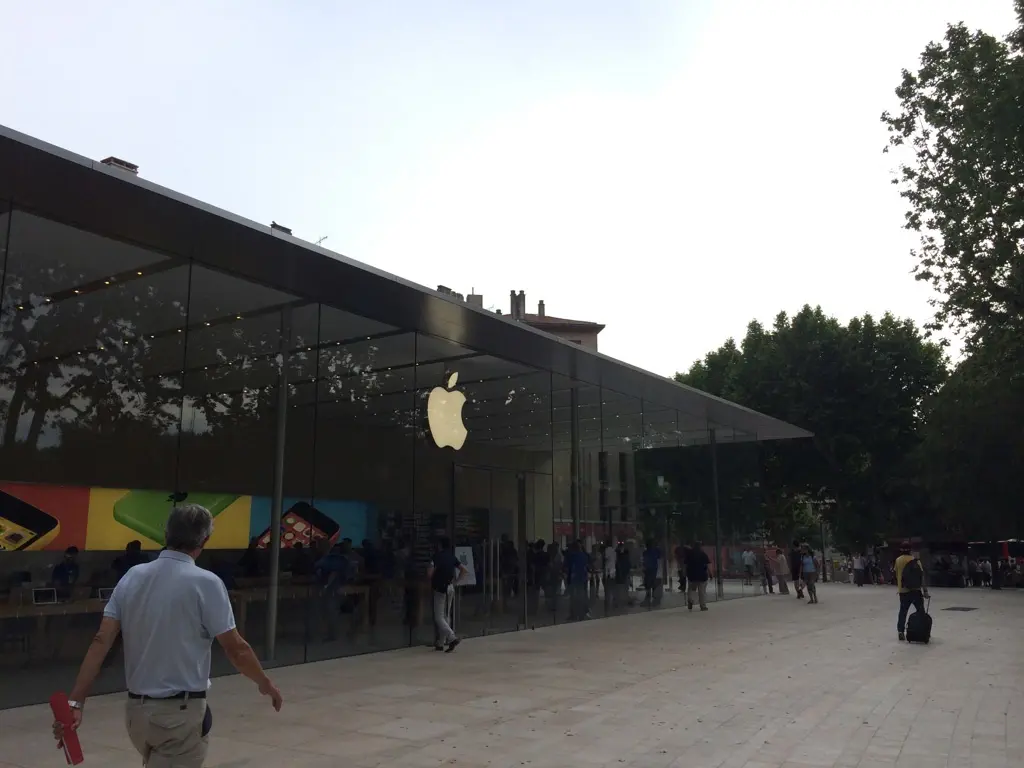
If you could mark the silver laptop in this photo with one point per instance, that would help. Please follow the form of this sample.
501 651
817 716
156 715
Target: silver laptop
44 596
106 592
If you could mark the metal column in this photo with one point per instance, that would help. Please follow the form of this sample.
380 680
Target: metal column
824 558
276 507
574 462
718 514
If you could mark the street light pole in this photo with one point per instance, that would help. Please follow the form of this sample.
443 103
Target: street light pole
718 517
824 559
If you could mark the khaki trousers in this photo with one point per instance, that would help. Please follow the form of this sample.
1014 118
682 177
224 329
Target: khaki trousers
168 732
701 588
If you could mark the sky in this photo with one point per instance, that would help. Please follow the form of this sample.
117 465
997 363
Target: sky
672 169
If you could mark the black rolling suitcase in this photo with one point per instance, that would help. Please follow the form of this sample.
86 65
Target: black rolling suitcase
919 626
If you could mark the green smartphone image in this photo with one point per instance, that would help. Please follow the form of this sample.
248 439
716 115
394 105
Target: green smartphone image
145 512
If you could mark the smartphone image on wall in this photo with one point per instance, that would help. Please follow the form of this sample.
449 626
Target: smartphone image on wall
146 512
302 524
23 526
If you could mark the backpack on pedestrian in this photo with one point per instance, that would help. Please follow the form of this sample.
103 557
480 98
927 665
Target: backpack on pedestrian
912 577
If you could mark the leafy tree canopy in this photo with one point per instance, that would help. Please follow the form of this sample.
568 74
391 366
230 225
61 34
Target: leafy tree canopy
859 387
958 132
973 450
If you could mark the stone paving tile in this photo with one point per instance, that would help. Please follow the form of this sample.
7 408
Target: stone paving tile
767 682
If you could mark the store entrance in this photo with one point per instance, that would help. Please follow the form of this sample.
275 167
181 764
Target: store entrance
490 518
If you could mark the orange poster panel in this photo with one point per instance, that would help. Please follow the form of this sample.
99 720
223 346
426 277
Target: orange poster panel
62 510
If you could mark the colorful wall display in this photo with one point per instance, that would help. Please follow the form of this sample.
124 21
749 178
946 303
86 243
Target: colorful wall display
52 518
302 523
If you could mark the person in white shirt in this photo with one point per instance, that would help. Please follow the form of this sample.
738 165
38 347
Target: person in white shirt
858 570
609 573
749 565
169 612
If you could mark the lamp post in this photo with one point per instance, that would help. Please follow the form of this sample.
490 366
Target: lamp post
824 559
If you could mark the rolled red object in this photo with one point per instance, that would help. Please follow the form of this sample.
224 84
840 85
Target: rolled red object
69 743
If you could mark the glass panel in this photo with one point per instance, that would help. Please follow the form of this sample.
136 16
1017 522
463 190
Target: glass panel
5 221
741 518
238 334
669 511
91 356
91 359
542 580
298 535
566 426
621 435
475 475
661 426
363 485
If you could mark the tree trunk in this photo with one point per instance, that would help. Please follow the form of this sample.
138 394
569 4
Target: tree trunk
14 414
38 421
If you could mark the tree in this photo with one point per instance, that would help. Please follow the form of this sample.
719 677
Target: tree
859 388
958 133
973 453
958 130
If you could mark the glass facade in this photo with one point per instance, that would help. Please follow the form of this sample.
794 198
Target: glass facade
133 378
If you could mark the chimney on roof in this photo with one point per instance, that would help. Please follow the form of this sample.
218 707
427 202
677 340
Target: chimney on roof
513 305
475 299
540 308
522 305
280 228
121 165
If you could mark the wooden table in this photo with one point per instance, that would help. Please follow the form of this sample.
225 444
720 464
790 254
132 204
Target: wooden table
41 614
70 608
242 597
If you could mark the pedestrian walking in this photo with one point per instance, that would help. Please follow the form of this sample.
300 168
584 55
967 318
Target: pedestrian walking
809 574
445 569
650 559
698 570
782 570
768 575
681 554
168 612
578 568
749 565
795 559
858 570
609 576
910 586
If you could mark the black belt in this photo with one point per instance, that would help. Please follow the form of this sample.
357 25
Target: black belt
182 695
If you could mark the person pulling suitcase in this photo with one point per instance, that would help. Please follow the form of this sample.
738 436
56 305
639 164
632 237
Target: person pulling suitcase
912 592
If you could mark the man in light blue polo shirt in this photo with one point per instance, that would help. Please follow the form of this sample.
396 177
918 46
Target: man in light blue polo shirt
169 611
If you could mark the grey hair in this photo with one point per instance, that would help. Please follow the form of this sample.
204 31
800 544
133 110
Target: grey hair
188 527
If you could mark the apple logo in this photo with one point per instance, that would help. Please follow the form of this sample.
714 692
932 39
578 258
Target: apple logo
444 415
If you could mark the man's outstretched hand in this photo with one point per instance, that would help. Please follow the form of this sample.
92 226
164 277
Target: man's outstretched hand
267 688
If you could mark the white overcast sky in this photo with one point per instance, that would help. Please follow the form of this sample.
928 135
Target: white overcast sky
672 169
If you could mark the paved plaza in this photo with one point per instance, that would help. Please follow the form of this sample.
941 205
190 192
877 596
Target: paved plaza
765 682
